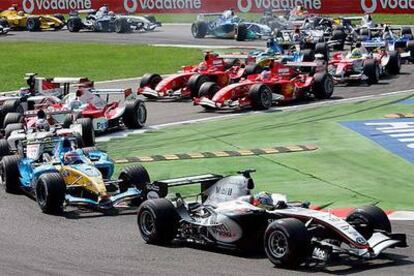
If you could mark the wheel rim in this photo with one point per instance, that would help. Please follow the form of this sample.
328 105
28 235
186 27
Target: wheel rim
277 244
329 86
147 223
141 114
266 98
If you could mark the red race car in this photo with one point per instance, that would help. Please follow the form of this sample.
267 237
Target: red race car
186 84
281 82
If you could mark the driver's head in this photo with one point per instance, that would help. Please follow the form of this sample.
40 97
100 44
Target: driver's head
72 157
111 13
297 30
79 93
20 13
358 44
41 114
202 66
356 53
263 200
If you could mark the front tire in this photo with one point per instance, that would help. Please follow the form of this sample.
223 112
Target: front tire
199 29
286 242
371 70
260 97
367 219
50 193
393 66
241 32
33 24
135 114
157 221
88 133
121 25
195 82
323 86
74 24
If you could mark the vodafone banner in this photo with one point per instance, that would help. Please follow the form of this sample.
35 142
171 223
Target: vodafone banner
196 6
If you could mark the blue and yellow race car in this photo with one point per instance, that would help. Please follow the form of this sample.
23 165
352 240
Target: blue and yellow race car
57 173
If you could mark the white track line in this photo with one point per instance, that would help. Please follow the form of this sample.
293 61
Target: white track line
125 133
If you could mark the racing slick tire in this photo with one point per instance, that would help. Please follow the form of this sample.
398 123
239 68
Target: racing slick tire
241 32
4 148
199 29
367 219
323 86
323 49
260 97
208 90
137 176
50 192
88 133
67 121
122 25
12 127
135 114
4 23
393 66
287 242
12 118
371 70
74 24
61 17
10 106
10 173
410 49
150 80
308 55
405 30
33 24
339 36
157 221
252 69
195 82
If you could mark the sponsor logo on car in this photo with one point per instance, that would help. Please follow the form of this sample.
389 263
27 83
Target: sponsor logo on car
396 135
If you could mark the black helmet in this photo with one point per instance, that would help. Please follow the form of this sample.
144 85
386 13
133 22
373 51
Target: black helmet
41 114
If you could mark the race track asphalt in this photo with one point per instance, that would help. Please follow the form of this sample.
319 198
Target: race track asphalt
32 243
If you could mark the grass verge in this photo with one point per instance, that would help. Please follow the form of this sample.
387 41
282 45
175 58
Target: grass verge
96 61
347 170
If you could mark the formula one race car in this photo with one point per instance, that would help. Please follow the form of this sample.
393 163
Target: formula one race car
369 67
103 20
228 25
186 84
290 233
280 83
106 108
18 20
57 173
39 91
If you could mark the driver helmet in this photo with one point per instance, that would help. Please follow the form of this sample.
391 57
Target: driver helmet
358 44
72 157
79 93
356 53
297 30
13 7
387 28
111 13
20 13
202 66
263 200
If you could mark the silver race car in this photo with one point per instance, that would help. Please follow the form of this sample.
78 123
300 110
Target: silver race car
290 233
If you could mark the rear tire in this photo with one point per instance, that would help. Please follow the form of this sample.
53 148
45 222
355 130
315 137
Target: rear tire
308 55
12 118
339 36
323 86
410 48
88 133
122 25
322 48
33 24
10 106
50 193
405 30
260 97
199 29
4 148
157 221
393 66
287 242
134 176
10 173
367 219
135 114
253 69
241 32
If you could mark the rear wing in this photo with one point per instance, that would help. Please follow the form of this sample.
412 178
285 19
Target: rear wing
202 16
205 181
302 64
78 12
48 111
